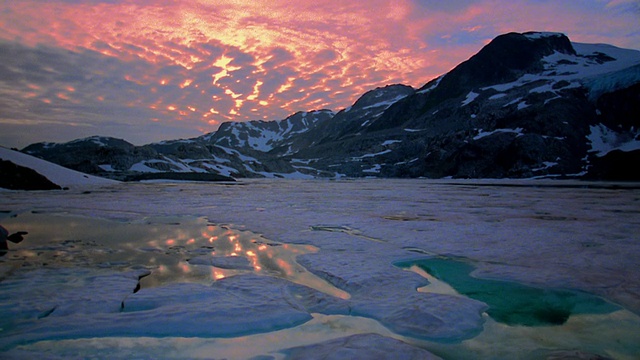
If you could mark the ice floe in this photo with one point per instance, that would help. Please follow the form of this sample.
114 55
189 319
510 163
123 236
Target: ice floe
142 280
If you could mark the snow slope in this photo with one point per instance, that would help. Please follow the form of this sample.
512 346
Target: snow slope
55 173
598 66
265 135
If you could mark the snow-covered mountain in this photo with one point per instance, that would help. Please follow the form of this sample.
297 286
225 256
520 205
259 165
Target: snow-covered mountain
236 150
265 136
526 105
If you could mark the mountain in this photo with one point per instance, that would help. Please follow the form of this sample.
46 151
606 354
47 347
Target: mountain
265 136
526 105
236 150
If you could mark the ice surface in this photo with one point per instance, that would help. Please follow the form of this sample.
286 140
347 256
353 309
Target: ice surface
546 234
28 296
236 306
374 293
362 346
513 303
225 262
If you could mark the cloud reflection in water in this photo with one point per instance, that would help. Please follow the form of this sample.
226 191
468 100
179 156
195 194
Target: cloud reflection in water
173 249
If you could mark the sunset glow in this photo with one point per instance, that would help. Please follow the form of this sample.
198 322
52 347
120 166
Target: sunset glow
152 70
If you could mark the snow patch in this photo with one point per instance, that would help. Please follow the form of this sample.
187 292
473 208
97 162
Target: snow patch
107 167
375 169
385 104
470 97
613 81
482 133
240 156
542 89
604 140
291 176
522 105
143 167
542 35
497 96
545 165
435 85
598 67
98 140
357 158
220 169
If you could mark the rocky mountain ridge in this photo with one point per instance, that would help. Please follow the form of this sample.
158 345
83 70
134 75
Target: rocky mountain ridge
525 106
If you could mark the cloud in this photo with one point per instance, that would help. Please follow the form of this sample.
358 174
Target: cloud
451 6
632 5
190 65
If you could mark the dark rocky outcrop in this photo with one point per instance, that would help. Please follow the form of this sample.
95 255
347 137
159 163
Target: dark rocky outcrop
189 176
16 177
86 155
616 166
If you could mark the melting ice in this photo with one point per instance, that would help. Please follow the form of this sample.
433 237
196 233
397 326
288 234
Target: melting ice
322 279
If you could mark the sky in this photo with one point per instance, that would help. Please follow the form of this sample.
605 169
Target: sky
151 70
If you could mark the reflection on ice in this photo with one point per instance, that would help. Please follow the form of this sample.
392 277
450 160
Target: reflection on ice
509 302
321 328
174 249
527 322
435 286
68 290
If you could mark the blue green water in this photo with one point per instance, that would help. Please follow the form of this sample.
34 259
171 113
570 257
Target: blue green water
513 303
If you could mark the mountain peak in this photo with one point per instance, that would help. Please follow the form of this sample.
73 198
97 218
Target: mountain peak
386 93
504 59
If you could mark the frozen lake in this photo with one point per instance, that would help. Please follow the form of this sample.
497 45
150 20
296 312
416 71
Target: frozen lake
273 269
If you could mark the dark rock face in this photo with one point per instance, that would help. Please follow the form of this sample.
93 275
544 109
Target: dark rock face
616 166
86 155
620 108
190 176
503 60
526 105
359 117
16 177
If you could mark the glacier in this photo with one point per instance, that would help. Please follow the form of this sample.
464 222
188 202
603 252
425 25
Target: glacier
276 269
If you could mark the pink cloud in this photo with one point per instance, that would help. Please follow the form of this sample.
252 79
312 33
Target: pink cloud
199 63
